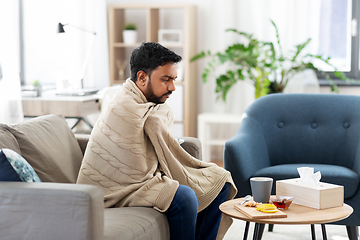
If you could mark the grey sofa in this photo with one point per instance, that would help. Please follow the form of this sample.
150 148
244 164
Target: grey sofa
281 132
57 208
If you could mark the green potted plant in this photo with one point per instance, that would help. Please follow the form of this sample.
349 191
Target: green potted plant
130 33
262 63
37 87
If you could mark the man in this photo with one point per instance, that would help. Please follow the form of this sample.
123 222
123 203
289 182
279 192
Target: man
134 158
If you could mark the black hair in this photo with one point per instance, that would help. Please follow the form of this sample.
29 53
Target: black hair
148 56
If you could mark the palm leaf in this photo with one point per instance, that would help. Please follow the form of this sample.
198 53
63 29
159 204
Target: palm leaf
277 38
299 48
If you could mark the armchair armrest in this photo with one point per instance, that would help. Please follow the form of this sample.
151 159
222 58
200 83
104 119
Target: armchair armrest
51 211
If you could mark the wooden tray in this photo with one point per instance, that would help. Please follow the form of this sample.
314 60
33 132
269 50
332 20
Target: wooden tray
252 213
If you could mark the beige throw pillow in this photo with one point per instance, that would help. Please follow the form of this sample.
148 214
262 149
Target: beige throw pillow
50 147
7 140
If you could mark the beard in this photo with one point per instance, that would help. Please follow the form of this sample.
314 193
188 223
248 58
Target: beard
150 95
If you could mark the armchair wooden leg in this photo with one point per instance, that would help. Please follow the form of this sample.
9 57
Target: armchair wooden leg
352 232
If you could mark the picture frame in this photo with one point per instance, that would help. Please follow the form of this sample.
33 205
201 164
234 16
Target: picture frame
170 36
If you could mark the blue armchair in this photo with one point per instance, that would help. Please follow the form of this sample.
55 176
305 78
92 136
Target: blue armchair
281 132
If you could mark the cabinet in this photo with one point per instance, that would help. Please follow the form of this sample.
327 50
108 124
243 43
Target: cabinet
179 19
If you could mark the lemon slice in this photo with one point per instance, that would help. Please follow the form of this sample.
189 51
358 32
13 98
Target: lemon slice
267 208
270 211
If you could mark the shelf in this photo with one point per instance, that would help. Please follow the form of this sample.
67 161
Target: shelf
120 44
173 45
150 18
168 45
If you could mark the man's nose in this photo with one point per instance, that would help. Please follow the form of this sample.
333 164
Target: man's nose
172 86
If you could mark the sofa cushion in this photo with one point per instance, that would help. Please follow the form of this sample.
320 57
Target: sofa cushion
15 168
329 173
7 140
50 147
132 223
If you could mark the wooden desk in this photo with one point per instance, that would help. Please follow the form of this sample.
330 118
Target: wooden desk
69 106
296 214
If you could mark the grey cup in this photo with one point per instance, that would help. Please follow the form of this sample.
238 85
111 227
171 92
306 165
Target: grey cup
261 188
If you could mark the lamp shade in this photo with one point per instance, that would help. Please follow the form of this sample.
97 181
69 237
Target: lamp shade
61 28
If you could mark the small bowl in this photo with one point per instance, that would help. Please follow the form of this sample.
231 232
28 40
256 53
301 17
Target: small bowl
281 202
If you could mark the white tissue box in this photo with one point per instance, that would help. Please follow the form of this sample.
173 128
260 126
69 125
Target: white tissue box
326 196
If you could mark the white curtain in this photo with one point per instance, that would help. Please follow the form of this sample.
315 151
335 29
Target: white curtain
10 90
297 20
10 97
98 74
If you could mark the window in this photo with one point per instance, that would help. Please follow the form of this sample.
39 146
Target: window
339 35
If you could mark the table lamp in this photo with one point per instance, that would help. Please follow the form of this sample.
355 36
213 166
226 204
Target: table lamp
83 69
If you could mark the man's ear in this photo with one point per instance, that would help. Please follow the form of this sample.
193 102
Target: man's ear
142 78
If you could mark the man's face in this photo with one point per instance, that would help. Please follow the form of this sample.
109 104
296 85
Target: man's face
159 85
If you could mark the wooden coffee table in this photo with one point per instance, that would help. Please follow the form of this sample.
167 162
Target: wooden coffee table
296 214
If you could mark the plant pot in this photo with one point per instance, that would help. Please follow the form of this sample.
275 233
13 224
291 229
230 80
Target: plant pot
129 36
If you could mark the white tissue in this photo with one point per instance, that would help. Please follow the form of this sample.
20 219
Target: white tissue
307 176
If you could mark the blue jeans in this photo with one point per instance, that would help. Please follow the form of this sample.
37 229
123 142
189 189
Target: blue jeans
184 220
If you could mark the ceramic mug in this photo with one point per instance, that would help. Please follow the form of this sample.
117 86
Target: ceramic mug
261 188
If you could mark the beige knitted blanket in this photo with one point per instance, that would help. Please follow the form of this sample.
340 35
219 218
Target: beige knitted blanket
134 158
